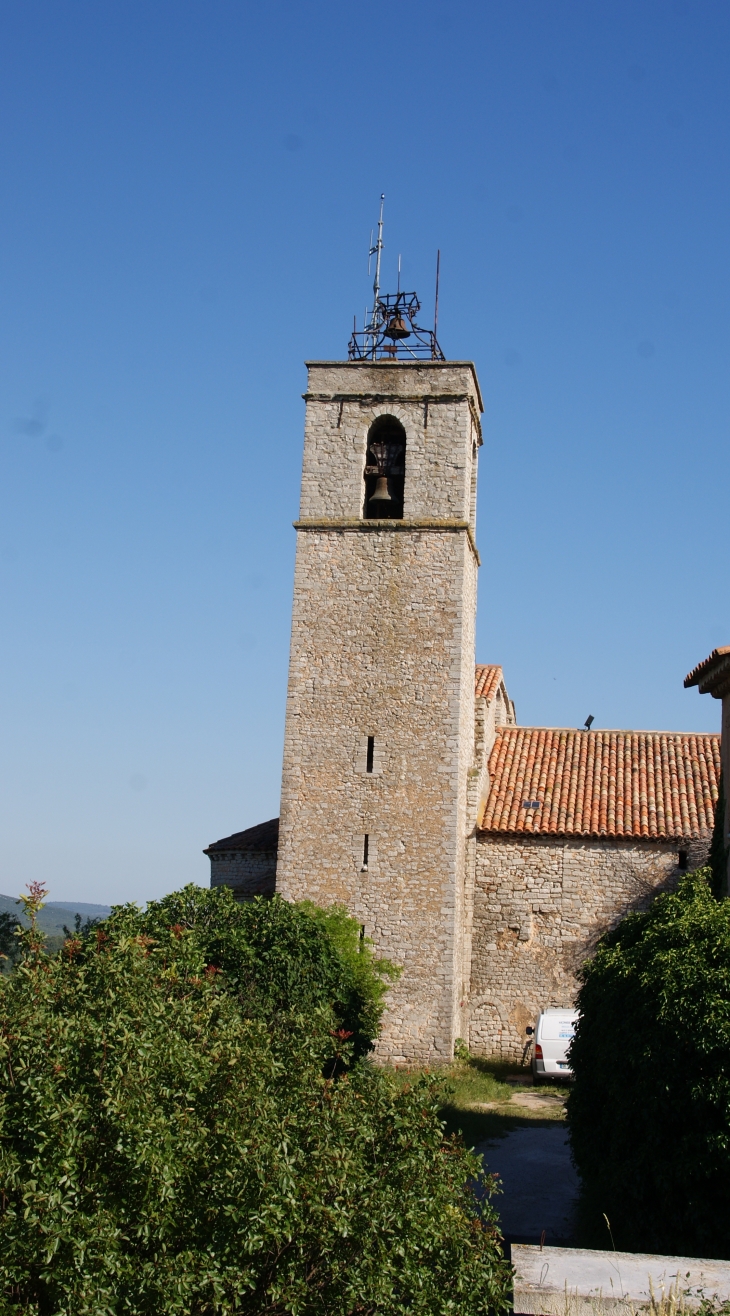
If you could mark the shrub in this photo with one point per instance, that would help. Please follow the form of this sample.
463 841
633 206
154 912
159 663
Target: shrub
276 955
649 1112
169 1142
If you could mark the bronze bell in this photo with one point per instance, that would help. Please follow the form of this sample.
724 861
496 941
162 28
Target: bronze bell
380 493
396 328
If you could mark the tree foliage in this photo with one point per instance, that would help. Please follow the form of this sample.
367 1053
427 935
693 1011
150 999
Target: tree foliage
81 928
275 954
170 1141
9 944
649 1112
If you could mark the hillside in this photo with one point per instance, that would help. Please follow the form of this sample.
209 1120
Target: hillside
55 914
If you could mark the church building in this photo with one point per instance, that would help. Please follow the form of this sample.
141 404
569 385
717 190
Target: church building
483 857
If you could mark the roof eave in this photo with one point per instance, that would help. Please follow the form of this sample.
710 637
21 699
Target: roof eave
712 676
671 838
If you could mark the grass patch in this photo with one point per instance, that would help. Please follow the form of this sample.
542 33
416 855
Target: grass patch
487 1098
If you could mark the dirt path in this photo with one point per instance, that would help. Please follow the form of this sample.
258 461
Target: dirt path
528 1101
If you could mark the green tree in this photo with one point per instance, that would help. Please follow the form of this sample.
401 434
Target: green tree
274 954
81 928
9 944
649 1112
170 1141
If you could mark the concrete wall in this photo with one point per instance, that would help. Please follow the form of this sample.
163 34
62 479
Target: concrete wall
383 645
550 1281
540 905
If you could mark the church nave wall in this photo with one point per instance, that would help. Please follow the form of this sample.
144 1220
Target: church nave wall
540 905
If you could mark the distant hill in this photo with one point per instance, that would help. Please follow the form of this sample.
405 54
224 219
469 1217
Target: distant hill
54 915
88 911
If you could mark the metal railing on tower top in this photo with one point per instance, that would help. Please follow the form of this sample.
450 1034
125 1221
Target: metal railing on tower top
394 334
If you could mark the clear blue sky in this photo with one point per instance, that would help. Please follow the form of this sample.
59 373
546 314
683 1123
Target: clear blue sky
187 197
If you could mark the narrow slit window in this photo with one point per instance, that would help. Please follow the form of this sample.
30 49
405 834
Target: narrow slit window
365 849
371 754
683 858
362 937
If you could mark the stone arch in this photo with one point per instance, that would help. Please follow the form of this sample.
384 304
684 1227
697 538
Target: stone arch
385 469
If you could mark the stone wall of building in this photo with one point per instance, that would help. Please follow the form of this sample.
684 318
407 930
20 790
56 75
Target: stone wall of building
489 714
248 873
438 404
540 905
383 646
726 776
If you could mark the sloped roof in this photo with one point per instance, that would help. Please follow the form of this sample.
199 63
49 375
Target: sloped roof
713 675
488 678
264 836
602 783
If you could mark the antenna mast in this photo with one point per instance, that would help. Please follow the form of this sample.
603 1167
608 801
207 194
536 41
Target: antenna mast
436 303
376 251
390 331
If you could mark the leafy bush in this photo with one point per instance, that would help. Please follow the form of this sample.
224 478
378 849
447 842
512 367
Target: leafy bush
649 1112
170 1143
275 955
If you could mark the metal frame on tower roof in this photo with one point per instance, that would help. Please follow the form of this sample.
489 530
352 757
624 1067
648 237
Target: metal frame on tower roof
391 331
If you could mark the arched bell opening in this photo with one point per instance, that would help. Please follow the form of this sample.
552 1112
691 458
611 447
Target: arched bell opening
385 470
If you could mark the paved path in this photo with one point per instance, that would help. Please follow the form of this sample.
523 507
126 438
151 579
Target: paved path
540 1185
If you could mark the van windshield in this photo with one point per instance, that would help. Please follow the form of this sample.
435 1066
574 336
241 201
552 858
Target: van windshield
557 1028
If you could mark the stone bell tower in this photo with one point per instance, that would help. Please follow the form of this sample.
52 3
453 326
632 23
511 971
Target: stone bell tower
379 733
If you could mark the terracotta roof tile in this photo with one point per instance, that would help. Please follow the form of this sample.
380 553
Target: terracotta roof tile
602 783
713 675
488 680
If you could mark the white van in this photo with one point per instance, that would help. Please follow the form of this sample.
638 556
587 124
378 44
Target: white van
552 1036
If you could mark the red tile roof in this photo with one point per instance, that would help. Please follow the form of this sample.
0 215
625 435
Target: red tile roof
713 675
488 680
602 783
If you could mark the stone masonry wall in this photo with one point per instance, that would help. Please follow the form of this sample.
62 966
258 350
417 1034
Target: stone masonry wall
541 903
725 744
383 645
488 715
248 873
438 404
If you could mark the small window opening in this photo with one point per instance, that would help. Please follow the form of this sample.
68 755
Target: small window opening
362 937
683 859
371 754
365 849
385 470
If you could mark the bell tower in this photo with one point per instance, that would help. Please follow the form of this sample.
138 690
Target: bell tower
379 734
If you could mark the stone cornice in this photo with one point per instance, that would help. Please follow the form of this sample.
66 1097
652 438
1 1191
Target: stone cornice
417 367
340 523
